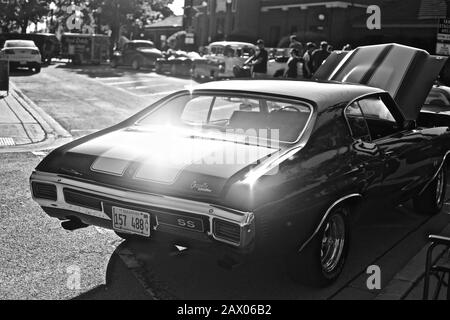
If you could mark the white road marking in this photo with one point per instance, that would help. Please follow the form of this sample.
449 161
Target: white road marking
150 86
128 82
155 94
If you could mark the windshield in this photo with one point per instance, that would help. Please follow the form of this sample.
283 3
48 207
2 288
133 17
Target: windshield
438 100
19 44
237 115
145 45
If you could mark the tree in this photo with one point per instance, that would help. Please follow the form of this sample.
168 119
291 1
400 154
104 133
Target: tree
118 15
19 13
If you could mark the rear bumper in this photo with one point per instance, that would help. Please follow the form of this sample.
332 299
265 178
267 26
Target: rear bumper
156 205
26 64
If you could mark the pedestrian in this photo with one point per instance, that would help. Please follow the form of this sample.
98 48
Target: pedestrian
307 61
259 61
295 44
319 56
292 64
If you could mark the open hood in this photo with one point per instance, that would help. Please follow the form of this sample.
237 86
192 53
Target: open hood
406 73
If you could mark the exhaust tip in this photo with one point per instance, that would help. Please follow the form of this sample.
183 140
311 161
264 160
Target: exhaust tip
73 224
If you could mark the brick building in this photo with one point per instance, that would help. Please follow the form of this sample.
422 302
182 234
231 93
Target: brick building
412 22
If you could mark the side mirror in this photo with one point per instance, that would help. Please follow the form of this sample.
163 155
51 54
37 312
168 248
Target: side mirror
409 125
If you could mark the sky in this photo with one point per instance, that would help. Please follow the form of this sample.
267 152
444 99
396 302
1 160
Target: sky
177 7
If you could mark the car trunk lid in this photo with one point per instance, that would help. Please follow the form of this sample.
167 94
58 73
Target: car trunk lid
178 165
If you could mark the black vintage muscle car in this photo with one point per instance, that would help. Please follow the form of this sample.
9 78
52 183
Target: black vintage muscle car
137 54
261 167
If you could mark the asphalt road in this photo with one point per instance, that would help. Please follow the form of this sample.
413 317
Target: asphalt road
35 251
89 98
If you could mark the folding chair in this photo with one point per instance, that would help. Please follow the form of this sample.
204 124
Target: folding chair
439 269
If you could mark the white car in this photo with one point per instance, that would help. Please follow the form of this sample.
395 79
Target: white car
21 53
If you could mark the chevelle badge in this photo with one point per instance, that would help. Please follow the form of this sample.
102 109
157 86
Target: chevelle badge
200 187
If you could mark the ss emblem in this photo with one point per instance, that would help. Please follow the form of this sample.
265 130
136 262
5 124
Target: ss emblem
186 223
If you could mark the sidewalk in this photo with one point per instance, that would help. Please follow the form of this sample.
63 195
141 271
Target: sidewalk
408 283
25 126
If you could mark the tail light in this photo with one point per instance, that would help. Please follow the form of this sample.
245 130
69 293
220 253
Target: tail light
9 51
227 231
35 52
44 191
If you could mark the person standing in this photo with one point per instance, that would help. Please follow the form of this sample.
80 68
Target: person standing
307 61
292 65
259 61
295 44
319 56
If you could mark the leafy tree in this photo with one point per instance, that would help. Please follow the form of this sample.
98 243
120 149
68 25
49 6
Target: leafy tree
19 13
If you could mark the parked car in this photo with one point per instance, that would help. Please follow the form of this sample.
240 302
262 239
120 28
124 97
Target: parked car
266 168
22 53
436 110
137 54
178 63
48 44
221 58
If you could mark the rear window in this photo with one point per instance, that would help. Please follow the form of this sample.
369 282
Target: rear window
280 120
19 44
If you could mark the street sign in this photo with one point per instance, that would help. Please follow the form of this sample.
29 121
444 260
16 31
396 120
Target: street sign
443 37
4 76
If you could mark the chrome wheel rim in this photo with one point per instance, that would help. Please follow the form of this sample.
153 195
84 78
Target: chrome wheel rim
439 187
333 241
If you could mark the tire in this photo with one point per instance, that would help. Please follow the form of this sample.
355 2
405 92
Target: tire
158 69
431 200
321 262
113 64
37 69
136 64
173 70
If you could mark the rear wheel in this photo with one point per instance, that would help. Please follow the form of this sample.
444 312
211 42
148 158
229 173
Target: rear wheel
136 64
321 262
432 199
113 64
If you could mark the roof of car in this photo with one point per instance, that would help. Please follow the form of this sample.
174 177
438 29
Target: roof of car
232 44
324 94
440 87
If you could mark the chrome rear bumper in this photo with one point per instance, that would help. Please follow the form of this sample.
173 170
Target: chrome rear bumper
245 220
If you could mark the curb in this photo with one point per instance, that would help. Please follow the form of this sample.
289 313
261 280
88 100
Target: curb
55 134
409 277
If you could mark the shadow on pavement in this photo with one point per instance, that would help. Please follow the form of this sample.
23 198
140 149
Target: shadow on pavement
121 283
140 270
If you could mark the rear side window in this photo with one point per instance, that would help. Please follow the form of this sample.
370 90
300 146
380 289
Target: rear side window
379 118
357 122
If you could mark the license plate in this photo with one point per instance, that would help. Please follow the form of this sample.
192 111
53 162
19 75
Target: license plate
131 221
